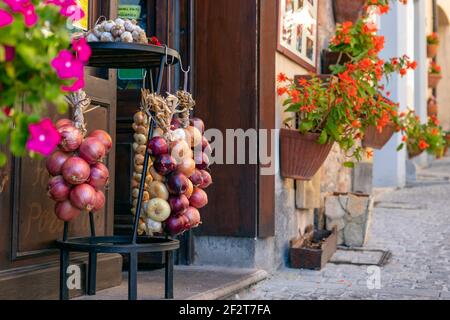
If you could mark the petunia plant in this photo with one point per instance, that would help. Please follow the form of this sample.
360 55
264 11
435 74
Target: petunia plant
39 65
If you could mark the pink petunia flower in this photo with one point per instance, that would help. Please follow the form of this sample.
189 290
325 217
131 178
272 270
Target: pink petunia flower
6 18
30 15
69 8
17 5
67 66
44 137
82 49
77 85
10 53
7 111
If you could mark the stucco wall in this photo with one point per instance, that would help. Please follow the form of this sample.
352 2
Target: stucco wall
290 217
443 58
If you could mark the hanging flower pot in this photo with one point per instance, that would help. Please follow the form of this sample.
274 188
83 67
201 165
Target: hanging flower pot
345 10
433 80
330 59
432 107
432 45
377 140
432 50
301 154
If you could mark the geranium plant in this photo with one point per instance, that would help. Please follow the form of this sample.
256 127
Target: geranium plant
435 68
418 137
342 108
36 68
382 6
433 39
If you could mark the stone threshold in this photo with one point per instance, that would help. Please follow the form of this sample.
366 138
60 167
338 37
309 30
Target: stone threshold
190 283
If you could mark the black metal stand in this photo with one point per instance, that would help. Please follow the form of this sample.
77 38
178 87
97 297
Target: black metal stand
121 55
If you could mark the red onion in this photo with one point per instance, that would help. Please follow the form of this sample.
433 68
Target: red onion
158 146
71 138
76 171
198 199
197 178
193 216
199 124
65 211
177 224
202 161
58 189
100 201
177 183
55 162
175 124
207 179
104 138
165 164
206 147
178 204
92 150
63 123
84 197
99 177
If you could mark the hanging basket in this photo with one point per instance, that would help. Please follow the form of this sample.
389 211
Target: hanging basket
432 108
301 154
433 80
377 140
332 58
432 50
345 10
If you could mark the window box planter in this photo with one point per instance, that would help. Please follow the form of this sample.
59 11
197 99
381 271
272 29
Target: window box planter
414 153
301 154
332 58
377 140
314 250
432 50
345 10
433 80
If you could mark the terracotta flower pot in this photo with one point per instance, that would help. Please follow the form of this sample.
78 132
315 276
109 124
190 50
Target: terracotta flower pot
433 80
301 154
432 50
377 140
345 10
432 108
332 58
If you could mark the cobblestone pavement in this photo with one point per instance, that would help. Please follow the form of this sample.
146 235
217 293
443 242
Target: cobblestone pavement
413 223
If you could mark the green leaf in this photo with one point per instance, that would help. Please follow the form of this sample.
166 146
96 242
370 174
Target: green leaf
349 164
306 126
400 147
3 159
323 137
28 54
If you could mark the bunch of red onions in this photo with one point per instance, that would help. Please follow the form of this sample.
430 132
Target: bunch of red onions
78 175
182 166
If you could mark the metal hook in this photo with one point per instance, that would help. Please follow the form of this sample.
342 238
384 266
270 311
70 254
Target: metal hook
167 57
186 72
144 79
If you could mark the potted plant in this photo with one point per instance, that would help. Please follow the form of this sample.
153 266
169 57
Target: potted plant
365 71
37 67
434 75
432 45
305 147
418 137
432 107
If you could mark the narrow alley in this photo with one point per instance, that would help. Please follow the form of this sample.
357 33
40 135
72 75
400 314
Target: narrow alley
413 224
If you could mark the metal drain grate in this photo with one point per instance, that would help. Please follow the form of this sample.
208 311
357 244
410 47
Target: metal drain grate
361 257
